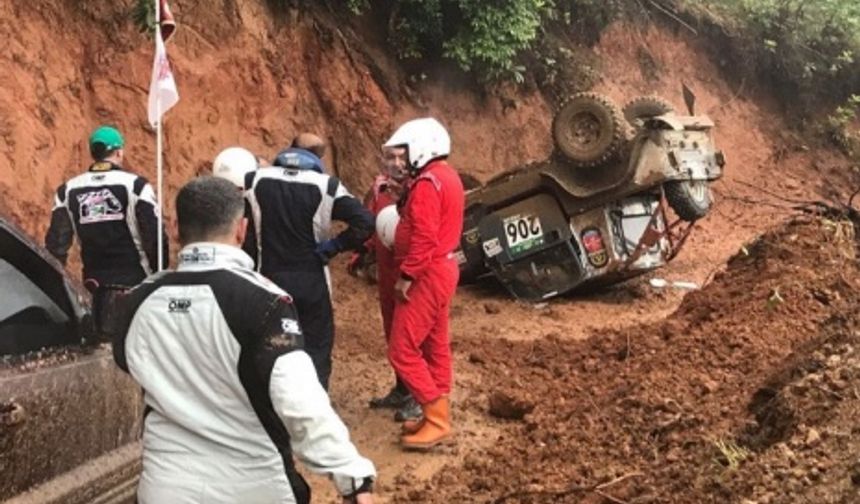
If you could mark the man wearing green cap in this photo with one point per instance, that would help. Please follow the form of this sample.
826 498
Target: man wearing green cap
114 214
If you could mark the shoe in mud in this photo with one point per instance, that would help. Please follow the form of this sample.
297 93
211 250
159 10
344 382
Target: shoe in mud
395 398
408 411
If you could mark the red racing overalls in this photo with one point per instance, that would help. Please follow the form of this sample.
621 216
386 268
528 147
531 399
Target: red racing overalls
386 269
431 223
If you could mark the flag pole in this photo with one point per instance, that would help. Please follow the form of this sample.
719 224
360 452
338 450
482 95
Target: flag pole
158 147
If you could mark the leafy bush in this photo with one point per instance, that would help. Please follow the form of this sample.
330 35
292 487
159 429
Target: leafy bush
493 33
807 49
483 36
143 15
486 37
840 126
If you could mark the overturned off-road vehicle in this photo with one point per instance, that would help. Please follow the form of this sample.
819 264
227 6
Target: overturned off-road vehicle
598 210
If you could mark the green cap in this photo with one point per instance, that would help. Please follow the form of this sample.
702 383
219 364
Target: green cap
107 136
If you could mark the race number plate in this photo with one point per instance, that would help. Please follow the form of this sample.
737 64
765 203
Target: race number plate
523 232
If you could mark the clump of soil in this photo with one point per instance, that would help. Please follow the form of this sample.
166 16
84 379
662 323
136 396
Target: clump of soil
512 405
752 368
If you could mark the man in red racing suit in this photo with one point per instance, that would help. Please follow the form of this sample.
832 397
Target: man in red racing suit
431 222
387 190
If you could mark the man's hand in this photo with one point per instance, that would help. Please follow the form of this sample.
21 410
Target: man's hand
357 263
362 498
402 288
327 250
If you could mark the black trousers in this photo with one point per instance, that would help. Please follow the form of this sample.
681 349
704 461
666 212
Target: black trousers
311 296
104 310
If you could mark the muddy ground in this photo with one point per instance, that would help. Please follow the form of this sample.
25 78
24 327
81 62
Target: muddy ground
749 390
743 390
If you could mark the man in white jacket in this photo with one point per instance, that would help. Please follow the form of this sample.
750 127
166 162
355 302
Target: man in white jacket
230 395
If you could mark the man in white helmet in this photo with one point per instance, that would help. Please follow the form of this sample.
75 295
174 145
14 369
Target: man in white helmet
431 222
233 164
387 189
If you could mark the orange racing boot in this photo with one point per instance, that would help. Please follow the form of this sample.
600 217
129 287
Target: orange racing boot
435 428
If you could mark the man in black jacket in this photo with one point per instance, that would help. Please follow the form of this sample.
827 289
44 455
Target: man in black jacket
114 214
291 206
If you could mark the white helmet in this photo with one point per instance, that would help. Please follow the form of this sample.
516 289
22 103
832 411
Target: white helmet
233 163
386 225
425 139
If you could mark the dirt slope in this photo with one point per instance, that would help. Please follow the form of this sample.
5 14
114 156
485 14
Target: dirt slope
251 77
246 76
652 403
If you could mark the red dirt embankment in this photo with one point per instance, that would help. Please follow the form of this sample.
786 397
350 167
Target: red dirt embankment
650 399
747 391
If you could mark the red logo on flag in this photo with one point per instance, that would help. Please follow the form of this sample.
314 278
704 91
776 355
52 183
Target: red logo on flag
167 23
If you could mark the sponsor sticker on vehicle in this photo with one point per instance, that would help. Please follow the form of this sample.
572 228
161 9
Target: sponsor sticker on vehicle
592 241
460 257
492 247
523 232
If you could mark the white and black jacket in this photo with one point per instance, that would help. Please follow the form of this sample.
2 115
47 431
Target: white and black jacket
231 397
115 216
290 212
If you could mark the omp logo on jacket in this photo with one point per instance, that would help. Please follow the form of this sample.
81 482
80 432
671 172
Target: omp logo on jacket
99 206
179 305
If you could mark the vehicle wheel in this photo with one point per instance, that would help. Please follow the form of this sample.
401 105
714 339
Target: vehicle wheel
644 107
690 199
588 129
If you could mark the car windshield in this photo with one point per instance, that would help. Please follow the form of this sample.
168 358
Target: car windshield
20 299
39 307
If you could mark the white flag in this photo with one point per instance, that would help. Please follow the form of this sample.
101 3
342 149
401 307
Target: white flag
163 86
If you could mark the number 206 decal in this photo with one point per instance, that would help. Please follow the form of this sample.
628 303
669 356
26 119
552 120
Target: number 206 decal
523 232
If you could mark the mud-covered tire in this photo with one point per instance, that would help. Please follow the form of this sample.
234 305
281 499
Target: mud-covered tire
690 199
588 129
644 107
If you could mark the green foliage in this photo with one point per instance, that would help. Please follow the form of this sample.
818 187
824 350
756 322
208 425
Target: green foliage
844 114
483 36
143 15
486 37
841 128
417 28
493 33
357 6
811 46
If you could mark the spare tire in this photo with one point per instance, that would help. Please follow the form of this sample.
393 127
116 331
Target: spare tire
644 107
588 129
690 199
